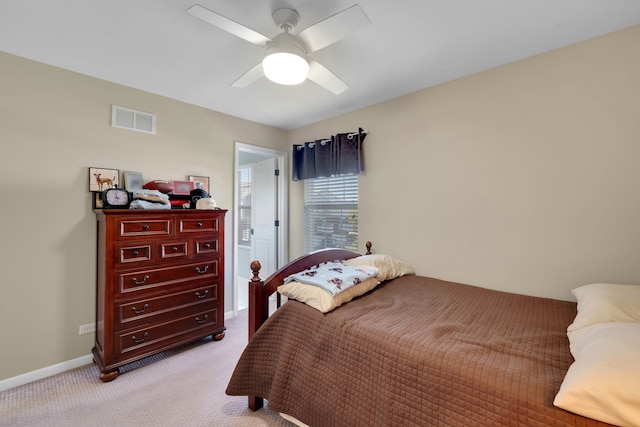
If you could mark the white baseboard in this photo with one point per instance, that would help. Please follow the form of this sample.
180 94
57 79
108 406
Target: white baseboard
39 374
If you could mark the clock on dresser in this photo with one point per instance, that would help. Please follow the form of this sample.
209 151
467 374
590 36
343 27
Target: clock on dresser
160 283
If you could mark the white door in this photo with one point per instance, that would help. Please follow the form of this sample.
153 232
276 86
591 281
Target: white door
264 202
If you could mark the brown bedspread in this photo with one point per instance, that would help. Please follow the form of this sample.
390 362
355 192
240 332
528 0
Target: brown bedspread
415 351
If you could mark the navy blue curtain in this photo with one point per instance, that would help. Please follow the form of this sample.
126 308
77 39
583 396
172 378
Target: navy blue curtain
339 155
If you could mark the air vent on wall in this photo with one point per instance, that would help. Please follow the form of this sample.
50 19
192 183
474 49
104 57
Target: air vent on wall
127 118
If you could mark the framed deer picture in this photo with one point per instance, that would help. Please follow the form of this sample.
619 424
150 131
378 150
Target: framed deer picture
101 179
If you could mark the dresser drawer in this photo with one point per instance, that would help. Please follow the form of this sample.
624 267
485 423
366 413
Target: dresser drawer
161 278
206 246
174 250
129 255
190 226
170 306
136 228
139 341
143 227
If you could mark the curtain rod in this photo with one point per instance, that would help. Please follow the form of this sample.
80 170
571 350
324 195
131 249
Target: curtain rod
360 130
349 135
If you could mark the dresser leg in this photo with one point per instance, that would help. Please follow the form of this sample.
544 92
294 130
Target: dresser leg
105 377
218 337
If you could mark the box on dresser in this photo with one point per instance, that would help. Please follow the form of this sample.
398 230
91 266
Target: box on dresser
160 282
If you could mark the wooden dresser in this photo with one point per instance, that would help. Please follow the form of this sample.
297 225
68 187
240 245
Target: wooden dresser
160 282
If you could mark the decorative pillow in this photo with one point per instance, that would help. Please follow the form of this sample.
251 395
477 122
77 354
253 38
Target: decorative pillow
388 266
605 302
320 299
604 381
334 276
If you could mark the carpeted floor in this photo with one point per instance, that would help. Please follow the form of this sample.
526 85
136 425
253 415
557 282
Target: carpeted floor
184 387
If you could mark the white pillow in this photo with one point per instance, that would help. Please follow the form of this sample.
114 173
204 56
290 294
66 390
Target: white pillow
320 299
604 381
606 302
388 266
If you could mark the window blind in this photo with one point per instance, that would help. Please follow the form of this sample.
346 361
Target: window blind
244 214
331 213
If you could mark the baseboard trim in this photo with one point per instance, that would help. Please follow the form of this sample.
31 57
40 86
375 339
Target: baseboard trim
48 371
58 368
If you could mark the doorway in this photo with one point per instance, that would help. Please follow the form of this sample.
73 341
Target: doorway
260 222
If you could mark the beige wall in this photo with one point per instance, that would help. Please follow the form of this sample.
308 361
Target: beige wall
523 178
54 124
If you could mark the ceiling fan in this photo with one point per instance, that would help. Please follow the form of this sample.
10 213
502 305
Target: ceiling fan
292 50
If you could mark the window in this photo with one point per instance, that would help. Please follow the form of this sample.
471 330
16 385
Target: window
331 213
244 223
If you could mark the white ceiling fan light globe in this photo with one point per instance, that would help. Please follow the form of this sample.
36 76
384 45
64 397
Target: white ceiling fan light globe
285 61
285 68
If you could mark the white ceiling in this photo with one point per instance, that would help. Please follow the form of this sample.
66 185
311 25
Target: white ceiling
155 46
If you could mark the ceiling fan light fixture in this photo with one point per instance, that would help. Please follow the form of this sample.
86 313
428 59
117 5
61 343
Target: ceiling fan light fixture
285 61
285 68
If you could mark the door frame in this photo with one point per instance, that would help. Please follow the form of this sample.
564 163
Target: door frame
282 208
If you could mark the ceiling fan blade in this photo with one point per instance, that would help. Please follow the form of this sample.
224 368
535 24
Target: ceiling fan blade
319 74
249 77
228 25
335 27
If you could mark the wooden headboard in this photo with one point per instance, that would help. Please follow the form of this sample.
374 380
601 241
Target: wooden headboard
260 290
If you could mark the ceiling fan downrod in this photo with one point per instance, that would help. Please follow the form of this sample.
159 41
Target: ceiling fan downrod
286 19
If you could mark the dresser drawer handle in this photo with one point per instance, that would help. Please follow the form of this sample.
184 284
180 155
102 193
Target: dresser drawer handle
174 249
139 340
145 227
199 225
207 245
200 296
206 267
136 253
142 310
140 282
201 321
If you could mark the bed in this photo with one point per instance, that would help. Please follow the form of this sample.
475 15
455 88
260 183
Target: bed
413 350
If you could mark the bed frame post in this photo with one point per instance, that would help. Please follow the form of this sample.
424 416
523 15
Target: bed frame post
258 313
258 305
